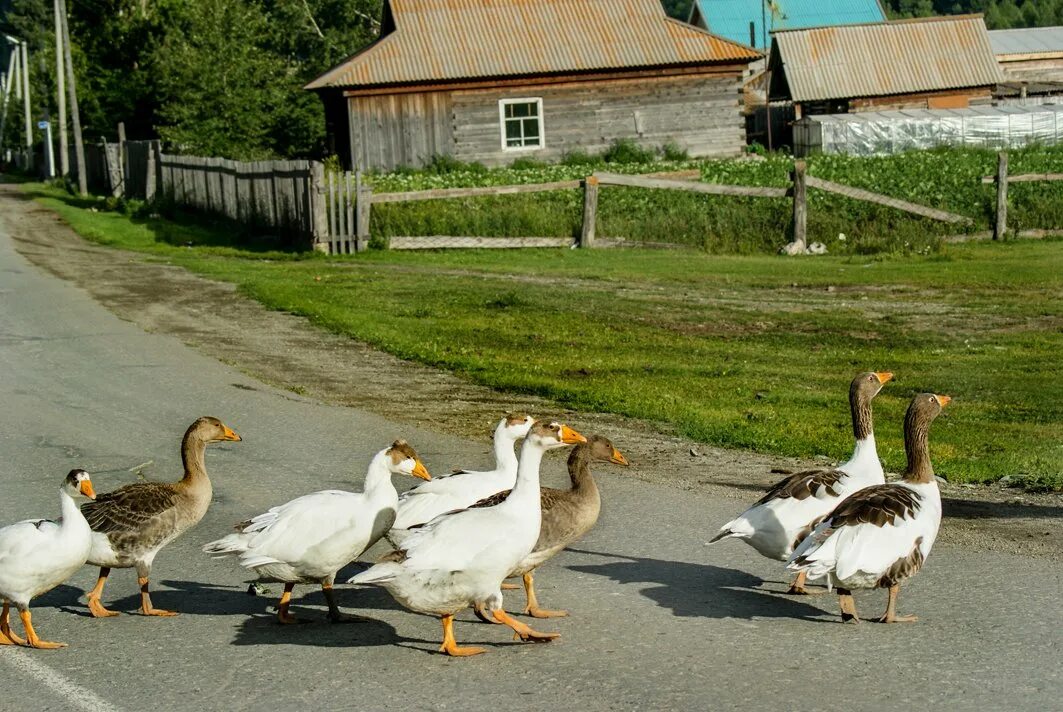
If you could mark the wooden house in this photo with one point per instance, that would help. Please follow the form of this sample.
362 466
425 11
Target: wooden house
928 63
1032 61
753 21
495 80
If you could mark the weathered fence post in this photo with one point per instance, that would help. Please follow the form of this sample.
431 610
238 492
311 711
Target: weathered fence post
123 159
1001 226
363 207
800 204
349 203
590 211
318 209
150 184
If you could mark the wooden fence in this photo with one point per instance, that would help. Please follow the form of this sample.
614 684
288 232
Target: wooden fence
270 195
349 203
1002 179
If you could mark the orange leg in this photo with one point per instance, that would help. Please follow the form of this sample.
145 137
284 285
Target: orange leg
509 587
145 601
31 635
7 636
334 613
797 588
848 606
890 616
481 613
450 646
532 608
95 607
283 616
522 631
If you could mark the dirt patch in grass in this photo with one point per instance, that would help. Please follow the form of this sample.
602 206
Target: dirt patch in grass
288 352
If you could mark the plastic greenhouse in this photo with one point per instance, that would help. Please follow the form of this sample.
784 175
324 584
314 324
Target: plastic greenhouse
882 132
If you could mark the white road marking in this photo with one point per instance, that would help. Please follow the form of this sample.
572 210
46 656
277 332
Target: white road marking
74 694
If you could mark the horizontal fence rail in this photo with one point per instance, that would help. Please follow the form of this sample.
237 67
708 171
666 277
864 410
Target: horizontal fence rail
868 196
635 181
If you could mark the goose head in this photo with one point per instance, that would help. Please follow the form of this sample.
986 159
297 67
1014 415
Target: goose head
550 436
603 449
403 460
78 484
515 426
211 430
924 408
867 385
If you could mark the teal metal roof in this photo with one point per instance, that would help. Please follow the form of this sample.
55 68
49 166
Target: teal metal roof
731 18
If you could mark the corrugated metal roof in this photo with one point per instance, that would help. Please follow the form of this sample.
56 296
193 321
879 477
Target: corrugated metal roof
900 57
1031 40
731 18
441 40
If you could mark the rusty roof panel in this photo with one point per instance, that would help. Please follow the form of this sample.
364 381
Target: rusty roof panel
884 58
442 40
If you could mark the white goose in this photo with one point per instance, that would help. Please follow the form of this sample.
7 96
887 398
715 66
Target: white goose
312 537
465 487
36 555
881 535
788 512
459 559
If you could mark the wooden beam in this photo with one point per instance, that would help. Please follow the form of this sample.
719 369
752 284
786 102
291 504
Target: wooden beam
444 193
1000 228
432 242
590 212
800 178
868 196
1025 178
695 187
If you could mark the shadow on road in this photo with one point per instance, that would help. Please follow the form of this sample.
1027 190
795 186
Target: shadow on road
700 590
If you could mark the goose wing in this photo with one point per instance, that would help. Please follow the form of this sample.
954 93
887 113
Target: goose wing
129 508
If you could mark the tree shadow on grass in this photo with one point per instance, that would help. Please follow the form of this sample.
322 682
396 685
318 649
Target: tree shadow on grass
700 590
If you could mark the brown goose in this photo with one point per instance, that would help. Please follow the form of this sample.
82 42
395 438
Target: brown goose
881 535
567 515
131 524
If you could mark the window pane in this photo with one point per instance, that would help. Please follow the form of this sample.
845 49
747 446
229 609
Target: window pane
512 131
513 142
531 129
509 110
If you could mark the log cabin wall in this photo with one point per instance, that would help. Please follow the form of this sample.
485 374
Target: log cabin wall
700 112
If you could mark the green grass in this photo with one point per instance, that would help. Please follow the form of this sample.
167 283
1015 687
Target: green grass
750 352
948 179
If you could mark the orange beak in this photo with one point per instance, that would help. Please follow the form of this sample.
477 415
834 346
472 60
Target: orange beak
943 400
884 376
570 436
420 471
86 489
230 435
618 459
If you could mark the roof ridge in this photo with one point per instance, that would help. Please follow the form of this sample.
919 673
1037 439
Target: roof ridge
887 23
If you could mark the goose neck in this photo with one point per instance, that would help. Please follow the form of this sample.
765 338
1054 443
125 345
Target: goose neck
193 456
527 485
917 449
579 469
860 407
378 476
505 457
71 513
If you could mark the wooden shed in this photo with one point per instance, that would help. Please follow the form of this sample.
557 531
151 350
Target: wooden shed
494 80
928 63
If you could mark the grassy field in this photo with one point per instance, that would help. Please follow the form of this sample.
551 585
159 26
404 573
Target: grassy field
741 351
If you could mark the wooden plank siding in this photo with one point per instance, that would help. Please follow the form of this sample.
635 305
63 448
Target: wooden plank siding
392 130
700 112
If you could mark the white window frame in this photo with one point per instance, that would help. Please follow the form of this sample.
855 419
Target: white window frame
502 104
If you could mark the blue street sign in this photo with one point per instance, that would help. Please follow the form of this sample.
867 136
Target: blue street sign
42 125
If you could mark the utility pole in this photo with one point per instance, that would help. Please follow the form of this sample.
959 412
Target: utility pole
71 85
60 78
12 65
26 100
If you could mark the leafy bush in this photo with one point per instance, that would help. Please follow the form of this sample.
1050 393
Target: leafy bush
624 150
672 151
441 164
527 163
579 157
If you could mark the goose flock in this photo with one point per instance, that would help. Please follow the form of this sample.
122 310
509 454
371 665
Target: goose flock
456 539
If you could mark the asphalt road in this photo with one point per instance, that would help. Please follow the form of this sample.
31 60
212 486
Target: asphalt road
659 621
